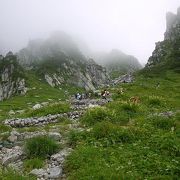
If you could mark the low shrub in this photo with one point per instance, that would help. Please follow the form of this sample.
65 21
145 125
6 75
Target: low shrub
162 122
122 112
4 128
130 108
108 134
34 163
165 143
10 174
95 115
75 137
40 147
155 101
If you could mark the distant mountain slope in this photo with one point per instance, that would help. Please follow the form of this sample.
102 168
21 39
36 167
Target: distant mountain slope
59 61
118 63
166 55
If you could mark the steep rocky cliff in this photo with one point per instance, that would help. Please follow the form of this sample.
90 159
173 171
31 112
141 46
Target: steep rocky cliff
167 53
11 77
59 62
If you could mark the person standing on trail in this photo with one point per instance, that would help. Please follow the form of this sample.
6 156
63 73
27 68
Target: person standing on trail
104 94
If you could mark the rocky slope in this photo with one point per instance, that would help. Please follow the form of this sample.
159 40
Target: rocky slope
167 52
59 61
11 77
118 63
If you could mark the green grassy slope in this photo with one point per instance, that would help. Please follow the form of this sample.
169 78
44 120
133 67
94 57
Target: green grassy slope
131 141
39 91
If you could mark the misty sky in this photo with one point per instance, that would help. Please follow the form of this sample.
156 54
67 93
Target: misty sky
132 26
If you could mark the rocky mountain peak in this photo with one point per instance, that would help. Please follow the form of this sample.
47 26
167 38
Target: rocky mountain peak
59 61
172 25
167 53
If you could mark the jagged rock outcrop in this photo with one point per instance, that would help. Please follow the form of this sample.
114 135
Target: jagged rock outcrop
126 78
11 77
118 63
167 53
59 61
172 26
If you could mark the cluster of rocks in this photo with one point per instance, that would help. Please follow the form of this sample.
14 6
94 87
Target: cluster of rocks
88 103
13 156
127 78
10 155
54 168
16 136
166 114
37 121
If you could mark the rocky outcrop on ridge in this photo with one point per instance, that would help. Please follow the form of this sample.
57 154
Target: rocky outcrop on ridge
12 80
167 53
59 62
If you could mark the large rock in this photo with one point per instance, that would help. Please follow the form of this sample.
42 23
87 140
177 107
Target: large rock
172 26
39 172
13 136
127 78
37 106
11 77
12 155
54 172
166 53
55 135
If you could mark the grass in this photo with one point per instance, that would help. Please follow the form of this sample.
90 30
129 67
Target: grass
34 163
130 140
40 147
50 109
95 115
10 174
164 123
39 91
4 128
124 140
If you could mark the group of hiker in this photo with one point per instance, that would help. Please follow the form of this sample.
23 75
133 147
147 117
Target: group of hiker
80 96
103 94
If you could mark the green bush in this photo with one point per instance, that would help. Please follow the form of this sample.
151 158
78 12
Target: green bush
95 115
103 130
165 143
108 134
30 164
4 128
87 163
122 112
40 147
129 107
154 101
162 122
10 174
75 137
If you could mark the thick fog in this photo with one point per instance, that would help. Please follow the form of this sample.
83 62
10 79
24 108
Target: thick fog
133 26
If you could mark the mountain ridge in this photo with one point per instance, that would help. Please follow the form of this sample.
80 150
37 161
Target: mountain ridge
166 55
